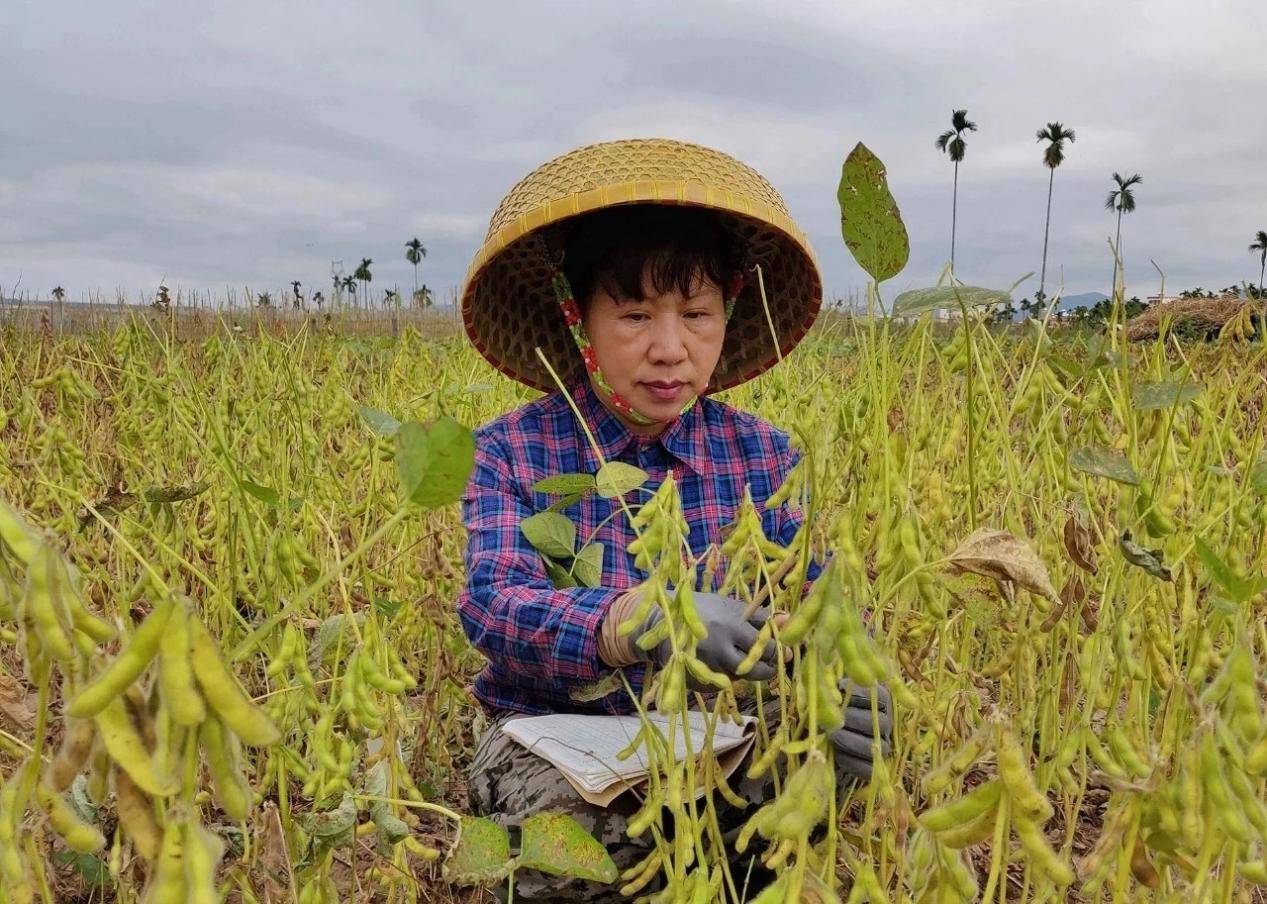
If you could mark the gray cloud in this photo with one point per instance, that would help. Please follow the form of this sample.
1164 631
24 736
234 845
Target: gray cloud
238 144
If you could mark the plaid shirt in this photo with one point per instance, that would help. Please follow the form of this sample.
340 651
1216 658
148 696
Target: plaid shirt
540 641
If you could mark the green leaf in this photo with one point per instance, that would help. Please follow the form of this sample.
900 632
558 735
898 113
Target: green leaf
1258 474
1152 396
333 826
1237 588
568 484
869 219
434 463
551 533
920 301
89 867
266 495
1101 354
556 844
1100 461
560 577
565 502
588 567
617 478
379 422
481 856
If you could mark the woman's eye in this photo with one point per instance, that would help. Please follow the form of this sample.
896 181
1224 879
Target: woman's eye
635 317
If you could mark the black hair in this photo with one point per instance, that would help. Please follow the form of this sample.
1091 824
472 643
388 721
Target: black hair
611 248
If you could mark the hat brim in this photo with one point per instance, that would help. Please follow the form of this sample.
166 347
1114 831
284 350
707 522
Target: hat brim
509 308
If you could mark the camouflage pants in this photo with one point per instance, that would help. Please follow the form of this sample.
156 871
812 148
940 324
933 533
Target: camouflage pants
508 783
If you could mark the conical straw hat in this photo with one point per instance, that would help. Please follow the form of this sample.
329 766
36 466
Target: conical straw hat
508 306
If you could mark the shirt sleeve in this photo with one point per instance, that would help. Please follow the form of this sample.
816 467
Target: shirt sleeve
510 610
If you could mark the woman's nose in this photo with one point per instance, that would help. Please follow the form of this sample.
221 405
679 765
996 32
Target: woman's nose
668 340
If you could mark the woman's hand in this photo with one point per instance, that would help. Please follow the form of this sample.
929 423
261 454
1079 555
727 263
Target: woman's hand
852 742
728 639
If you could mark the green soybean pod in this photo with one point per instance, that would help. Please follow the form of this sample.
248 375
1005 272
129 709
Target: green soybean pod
962 810
220 749
119 675
44 602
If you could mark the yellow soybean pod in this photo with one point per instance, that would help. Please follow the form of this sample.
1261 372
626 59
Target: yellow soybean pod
223 693
123 742
175 675
79 835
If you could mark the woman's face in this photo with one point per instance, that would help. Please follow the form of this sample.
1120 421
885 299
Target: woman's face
659 353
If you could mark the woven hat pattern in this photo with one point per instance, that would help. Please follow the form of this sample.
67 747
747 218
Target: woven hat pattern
508 305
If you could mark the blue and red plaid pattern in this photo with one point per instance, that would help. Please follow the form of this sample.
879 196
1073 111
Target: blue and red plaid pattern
542 642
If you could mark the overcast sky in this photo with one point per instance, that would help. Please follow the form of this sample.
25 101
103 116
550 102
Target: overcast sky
250 143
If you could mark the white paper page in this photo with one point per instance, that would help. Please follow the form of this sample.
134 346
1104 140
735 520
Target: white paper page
585 746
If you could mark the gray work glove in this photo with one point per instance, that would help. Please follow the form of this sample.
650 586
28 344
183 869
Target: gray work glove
728 639
852 741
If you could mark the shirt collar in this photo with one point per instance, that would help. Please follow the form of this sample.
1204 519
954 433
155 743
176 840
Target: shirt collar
683 438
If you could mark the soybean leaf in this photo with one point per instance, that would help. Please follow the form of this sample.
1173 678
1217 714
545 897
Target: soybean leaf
1152 396
551 533
588 567
919 301
335 633
378 421
1239 589
568 484
1258 474
560 577
170 494
1101 354
1101 461
556 844
481 856
565 502
999 555
333 826
266 495
1148 559
89 867
617 478
433 463
869 219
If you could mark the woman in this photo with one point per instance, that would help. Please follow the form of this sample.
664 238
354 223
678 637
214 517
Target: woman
630 264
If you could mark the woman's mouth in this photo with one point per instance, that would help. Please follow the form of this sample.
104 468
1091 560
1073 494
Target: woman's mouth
665 390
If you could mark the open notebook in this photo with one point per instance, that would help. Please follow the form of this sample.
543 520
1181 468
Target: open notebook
584 747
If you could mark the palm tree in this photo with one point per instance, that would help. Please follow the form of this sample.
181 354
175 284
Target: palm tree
1121 199
362 274
349 285
1053 155
298 301
59 293
1260 247
415 251
951 141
